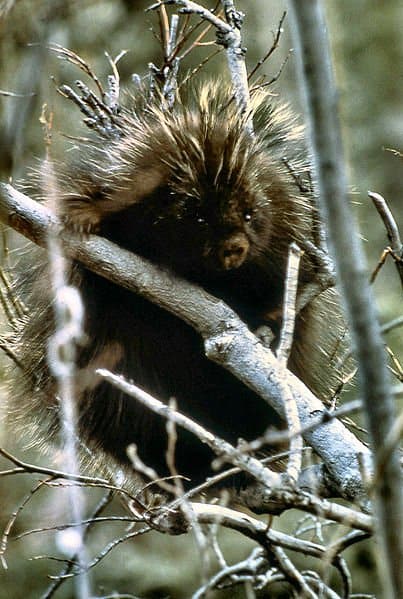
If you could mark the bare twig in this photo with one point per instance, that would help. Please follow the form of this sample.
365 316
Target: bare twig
289 312
279 500
271 486
392 324
385 253
112 96
73 58
57 582
388 220
26 468
272 48
98 115
173 33
279 437
272 541
261 83
222 448
164 29
189 7
107 549
249 569
291 574
147 472
10 524
9 94
229 36
392 230
193 72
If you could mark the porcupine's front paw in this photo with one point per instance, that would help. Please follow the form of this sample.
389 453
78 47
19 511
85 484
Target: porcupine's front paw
265 335
268 332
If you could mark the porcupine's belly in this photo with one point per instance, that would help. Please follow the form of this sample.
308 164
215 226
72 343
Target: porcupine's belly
164 356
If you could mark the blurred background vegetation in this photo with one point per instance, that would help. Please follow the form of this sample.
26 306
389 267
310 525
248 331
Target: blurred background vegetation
368 53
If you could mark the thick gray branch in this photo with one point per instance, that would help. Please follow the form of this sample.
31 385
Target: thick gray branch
227 340
310 38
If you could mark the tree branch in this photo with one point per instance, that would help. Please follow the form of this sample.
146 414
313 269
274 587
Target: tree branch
227 340
316 77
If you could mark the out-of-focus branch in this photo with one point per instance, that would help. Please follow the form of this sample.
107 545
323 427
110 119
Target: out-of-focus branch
392 324
227 340
310 38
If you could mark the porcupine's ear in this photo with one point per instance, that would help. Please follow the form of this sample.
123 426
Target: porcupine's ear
80 196
85 196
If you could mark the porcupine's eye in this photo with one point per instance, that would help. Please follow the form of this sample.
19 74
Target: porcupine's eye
247 216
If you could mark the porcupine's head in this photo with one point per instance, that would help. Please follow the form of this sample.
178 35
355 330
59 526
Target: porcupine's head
191 187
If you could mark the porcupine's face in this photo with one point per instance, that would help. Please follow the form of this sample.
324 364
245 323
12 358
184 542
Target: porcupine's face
215 230
206 217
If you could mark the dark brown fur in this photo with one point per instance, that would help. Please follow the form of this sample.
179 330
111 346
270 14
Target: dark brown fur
191 190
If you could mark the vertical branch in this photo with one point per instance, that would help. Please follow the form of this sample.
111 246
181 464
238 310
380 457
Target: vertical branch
69 316
310 38
232 42
283 353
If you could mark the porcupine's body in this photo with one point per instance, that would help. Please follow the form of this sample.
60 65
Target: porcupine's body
191 190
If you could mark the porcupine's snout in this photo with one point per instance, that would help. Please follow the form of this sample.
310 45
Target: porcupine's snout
233 251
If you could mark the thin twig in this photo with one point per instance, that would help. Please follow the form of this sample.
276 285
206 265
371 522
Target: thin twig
222 448
392 324
12 520
392 230
388 220
31 469
280 437
105 501
73 58
291 574
385 253
273 47
16 95
201 64
289 311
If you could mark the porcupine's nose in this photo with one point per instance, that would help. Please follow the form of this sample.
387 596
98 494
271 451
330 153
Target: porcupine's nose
233 251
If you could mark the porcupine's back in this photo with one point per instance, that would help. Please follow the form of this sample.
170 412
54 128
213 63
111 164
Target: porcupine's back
193 191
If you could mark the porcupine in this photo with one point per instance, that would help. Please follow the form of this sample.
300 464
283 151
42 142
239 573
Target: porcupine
193 190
